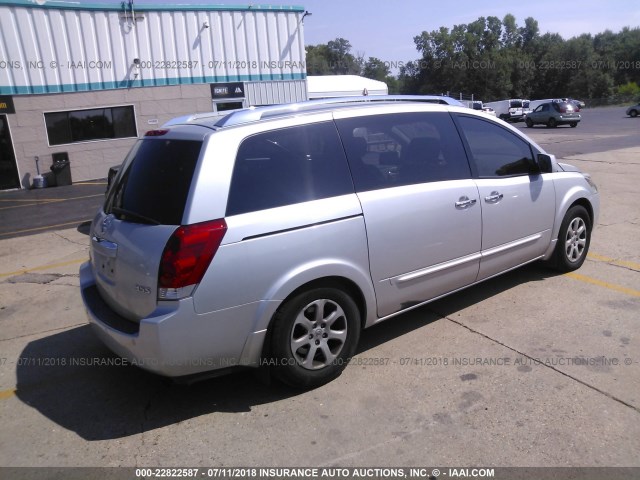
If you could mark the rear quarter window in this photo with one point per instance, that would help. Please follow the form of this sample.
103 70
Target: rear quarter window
288 166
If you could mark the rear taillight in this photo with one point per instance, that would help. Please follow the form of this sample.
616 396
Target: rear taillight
187 256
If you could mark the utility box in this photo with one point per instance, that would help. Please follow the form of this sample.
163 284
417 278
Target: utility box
61 168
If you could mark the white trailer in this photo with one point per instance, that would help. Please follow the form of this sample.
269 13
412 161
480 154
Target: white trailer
331 86
512 110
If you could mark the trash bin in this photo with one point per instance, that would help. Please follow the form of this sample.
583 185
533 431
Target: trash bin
49 179
39 182
61 168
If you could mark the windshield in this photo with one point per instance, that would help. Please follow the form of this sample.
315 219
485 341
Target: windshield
154 181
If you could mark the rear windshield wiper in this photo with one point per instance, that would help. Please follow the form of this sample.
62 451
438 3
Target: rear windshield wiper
134 215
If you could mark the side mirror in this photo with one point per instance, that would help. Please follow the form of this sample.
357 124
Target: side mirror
545 163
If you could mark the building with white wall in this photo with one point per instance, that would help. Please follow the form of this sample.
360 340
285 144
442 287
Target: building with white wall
87 79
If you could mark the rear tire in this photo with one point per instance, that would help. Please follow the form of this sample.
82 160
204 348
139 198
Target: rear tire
573 124
552 123
574 239
529 122
315 335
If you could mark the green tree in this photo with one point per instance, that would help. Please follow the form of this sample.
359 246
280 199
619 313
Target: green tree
341 61
318 62
333 58
376 69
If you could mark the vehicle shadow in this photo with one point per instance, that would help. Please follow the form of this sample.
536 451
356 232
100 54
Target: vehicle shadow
75 381
449 305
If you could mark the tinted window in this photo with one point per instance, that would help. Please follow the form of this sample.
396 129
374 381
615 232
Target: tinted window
563 107
402 149
155 181
94 124
495 150
288 166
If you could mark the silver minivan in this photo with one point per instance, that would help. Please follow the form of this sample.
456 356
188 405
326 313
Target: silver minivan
272 236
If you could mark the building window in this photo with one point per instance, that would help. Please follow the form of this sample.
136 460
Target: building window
94 124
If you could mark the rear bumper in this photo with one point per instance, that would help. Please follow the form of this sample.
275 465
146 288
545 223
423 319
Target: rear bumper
567 120
174 340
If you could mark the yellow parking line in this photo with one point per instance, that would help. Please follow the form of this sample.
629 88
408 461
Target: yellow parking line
24 200
37 201
43 267
77 222
4 394
613 261
22 205
600 283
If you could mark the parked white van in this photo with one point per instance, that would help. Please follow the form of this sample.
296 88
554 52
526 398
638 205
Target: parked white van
511 110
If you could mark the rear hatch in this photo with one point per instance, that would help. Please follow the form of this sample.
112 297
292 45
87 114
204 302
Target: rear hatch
144 207
566 109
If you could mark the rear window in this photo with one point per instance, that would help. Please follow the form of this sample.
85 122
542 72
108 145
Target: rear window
154 182
563 107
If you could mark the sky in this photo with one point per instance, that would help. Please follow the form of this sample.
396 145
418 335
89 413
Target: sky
385 29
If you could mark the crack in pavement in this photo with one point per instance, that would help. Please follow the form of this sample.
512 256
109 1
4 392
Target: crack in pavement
57 234
41 278
550 367
573 157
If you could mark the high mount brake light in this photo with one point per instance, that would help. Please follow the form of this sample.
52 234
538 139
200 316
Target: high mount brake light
155 133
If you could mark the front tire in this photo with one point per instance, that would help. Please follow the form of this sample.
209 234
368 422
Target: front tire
633 113
529 122
574 239
315 334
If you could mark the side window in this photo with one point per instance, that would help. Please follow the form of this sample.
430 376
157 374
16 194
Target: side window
496 151
391 150
288 166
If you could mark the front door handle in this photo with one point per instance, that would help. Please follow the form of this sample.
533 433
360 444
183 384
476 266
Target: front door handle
465 202
494 197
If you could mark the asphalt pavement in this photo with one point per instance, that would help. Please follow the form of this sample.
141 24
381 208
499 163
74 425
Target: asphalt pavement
26 212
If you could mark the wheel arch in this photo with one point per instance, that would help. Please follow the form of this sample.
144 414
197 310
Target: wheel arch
333 281
583 202
575 196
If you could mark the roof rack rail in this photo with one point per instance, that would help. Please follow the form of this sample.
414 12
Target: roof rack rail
253 114
197 116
